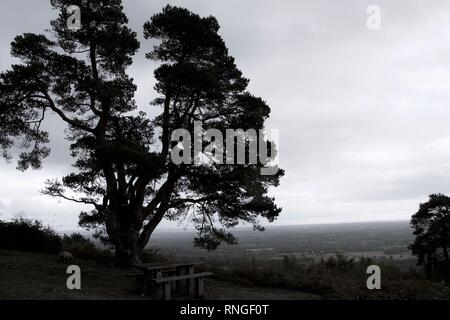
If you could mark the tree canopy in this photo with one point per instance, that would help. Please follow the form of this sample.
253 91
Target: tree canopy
122 164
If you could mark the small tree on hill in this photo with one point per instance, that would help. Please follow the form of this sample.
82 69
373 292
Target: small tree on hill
432 230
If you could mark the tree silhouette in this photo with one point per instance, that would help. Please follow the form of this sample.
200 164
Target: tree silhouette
432 230
122 155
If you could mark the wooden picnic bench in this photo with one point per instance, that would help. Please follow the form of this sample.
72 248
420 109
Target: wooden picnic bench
195 289
161 278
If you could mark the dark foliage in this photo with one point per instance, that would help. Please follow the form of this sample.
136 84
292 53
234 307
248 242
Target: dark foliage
83 248
336 278
27 235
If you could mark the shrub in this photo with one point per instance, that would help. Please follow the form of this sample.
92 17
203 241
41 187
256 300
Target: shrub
336 278
28 235
84 248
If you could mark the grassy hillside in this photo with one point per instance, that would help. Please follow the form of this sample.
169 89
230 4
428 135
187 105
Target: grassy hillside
26 275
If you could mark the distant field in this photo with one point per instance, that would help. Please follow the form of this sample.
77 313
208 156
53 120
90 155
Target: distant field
377 240
381 240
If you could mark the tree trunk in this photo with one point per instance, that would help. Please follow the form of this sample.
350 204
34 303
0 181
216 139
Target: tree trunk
124 234
127 251
124 227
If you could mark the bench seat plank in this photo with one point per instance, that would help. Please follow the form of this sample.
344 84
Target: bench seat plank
158 265
183 277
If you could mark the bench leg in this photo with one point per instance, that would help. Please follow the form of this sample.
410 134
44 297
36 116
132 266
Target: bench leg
177 286
174 286
147 282
140 284
191 283
200 288
167 289
190 288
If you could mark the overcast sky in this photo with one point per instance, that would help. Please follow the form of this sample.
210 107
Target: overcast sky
363 114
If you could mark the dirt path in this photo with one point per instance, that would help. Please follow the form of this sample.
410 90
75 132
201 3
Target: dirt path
36 276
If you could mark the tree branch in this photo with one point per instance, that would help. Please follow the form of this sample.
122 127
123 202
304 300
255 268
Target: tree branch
73 122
